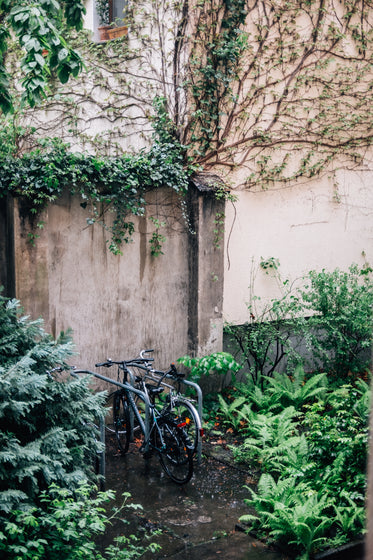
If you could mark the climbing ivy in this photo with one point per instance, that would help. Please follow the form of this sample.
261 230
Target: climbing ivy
276 89
279 88
105 184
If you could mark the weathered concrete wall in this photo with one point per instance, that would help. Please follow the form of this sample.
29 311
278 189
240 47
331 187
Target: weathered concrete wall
117 305
206 276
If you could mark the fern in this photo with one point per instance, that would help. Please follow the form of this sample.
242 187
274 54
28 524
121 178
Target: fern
296 391
271 439
230 411
290 513
260 399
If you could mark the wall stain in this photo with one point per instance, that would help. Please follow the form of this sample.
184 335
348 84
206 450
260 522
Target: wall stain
143 247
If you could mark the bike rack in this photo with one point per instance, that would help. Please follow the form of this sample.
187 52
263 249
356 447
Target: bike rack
128 387
145 399
199 410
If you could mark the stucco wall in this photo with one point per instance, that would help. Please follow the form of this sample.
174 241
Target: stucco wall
325 223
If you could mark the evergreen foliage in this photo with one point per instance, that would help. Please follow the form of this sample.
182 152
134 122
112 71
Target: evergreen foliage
49 508
46 430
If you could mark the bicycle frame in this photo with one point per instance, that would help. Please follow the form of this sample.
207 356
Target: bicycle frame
128 388
159 376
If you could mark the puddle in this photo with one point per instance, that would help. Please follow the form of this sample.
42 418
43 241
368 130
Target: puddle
198 520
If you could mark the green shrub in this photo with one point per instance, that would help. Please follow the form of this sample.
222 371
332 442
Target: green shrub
66 526
337 431
46 430
340 325
326 325
220 363
271 336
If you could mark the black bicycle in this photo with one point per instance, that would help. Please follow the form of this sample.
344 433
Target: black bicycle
157 429
181 406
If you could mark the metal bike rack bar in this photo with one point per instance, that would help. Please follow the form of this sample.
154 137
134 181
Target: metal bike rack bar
199 410
102 454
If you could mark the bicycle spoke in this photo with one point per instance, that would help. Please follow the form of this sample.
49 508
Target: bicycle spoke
175 452
185 418
121 422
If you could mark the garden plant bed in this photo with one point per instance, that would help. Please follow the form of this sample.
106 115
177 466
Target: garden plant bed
278 449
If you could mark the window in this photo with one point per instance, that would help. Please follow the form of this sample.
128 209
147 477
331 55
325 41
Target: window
110 19
117 10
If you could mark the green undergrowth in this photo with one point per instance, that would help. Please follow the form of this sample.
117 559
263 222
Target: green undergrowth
308 439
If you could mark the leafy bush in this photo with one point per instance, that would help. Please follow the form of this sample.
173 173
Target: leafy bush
270 337
220 363
65 526
340 326
328 323
337 431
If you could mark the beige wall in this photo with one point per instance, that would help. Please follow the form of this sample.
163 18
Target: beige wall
326 223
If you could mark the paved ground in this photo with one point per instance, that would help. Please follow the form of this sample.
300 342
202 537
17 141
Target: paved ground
199 520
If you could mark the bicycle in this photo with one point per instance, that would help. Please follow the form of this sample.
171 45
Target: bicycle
181 406
161 432
182 409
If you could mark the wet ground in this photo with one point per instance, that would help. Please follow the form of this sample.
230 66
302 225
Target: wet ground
199 520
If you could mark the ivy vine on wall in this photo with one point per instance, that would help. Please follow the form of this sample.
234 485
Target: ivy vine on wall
277 89
105 184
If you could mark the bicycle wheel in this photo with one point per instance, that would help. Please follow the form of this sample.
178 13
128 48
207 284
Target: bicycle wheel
121 420
175 453
186 417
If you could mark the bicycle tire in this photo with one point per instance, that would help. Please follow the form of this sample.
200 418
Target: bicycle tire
122 424
187 418
175 455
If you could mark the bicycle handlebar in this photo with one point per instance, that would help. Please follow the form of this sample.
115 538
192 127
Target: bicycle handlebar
172 373
146 352
109 362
